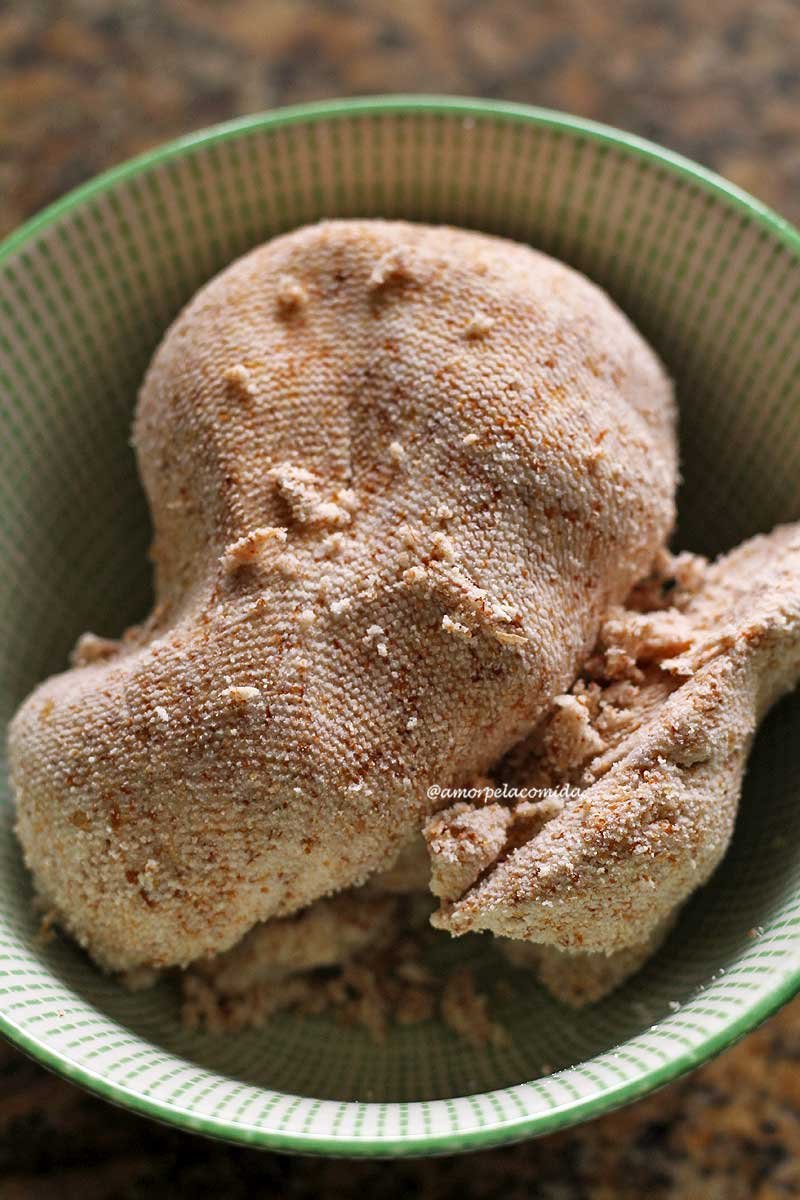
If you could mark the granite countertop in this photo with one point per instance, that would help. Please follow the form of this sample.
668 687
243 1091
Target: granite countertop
86 83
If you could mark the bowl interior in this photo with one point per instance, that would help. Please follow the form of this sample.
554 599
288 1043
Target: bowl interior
85 294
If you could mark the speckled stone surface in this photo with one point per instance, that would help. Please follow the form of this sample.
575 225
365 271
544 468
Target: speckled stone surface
85 84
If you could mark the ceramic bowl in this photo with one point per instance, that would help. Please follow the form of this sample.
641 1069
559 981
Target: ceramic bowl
87 288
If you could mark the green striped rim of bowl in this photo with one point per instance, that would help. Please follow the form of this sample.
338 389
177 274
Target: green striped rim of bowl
675 1043
298 114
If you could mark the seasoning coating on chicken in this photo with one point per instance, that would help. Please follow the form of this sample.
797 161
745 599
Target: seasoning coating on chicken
327 933
660 783
578 977
397 474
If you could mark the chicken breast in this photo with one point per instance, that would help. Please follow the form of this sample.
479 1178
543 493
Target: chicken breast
397 475
653 738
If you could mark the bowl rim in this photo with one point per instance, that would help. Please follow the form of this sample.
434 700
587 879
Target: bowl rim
572 1111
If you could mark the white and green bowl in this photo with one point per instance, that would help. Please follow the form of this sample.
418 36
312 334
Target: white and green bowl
87 288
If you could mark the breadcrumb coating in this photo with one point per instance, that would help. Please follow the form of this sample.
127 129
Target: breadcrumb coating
672 621
579 978
659 760
359 956
245 751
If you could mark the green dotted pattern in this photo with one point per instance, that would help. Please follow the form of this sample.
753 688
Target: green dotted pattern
87 290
